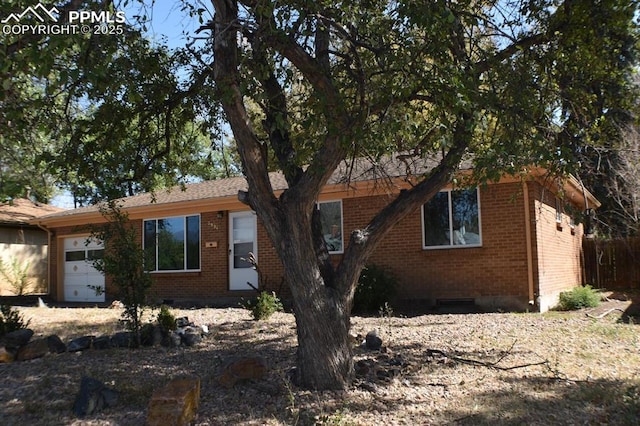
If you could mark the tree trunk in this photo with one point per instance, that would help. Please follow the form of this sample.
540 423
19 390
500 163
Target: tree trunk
324 357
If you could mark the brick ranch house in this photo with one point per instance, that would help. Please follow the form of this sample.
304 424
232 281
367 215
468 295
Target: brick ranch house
510 244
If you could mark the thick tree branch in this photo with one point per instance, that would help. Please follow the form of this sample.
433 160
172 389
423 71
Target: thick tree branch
331 153
276 122
227 79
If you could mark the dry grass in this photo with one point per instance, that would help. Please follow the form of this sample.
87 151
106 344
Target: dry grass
579 370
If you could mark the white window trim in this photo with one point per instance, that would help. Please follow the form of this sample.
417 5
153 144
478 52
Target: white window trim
341 222
453 246
184 218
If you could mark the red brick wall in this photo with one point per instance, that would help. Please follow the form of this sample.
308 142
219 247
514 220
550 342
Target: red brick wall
557 264
498 268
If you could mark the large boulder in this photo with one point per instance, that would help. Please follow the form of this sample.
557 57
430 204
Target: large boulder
93 397
191 335
123 339
6 355
80 344
241 369
16 338
56 346
32 350
175 404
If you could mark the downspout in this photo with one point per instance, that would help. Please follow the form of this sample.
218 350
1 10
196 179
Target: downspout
527 233
48 257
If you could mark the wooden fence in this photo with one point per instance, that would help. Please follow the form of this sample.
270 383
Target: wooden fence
612 264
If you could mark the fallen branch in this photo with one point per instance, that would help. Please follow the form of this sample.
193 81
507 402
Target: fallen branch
494 365
604 314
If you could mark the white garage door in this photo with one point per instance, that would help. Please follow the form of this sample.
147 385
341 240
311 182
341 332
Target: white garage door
80 277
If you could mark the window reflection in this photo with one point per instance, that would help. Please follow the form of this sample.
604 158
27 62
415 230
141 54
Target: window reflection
331 220
452 218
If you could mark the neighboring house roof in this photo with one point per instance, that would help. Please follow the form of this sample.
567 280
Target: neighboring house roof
22 211
364 175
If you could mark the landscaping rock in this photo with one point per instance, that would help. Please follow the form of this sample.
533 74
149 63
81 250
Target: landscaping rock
172 340
6 355
372 341
32 350
249 368
123 339
191 336
80 344
56 346
17 338
182 322
175 404
156 336
102 342
93 397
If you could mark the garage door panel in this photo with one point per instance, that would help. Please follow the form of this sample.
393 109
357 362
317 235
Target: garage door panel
74 293
76 279
79 273
77 267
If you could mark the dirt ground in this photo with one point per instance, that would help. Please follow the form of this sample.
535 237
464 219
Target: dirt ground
435 369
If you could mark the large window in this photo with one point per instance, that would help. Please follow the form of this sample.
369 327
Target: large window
331 219
173 243
452 219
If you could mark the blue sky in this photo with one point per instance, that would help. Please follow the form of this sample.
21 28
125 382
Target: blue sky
169 21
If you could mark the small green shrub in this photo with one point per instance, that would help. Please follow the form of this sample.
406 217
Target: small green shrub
11 320
578 298
376 287
265 305
166 319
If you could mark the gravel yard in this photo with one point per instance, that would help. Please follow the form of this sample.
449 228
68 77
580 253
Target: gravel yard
495 368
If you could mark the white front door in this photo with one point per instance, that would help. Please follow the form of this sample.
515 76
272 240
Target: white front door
242 241
82 282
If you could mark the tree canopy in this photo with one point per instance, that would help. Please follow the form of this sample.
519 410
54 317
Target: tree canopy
101 115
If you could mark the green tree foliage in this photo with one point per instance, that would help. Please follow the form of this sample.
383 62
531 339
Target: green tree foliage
123 262
103 116
376 289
